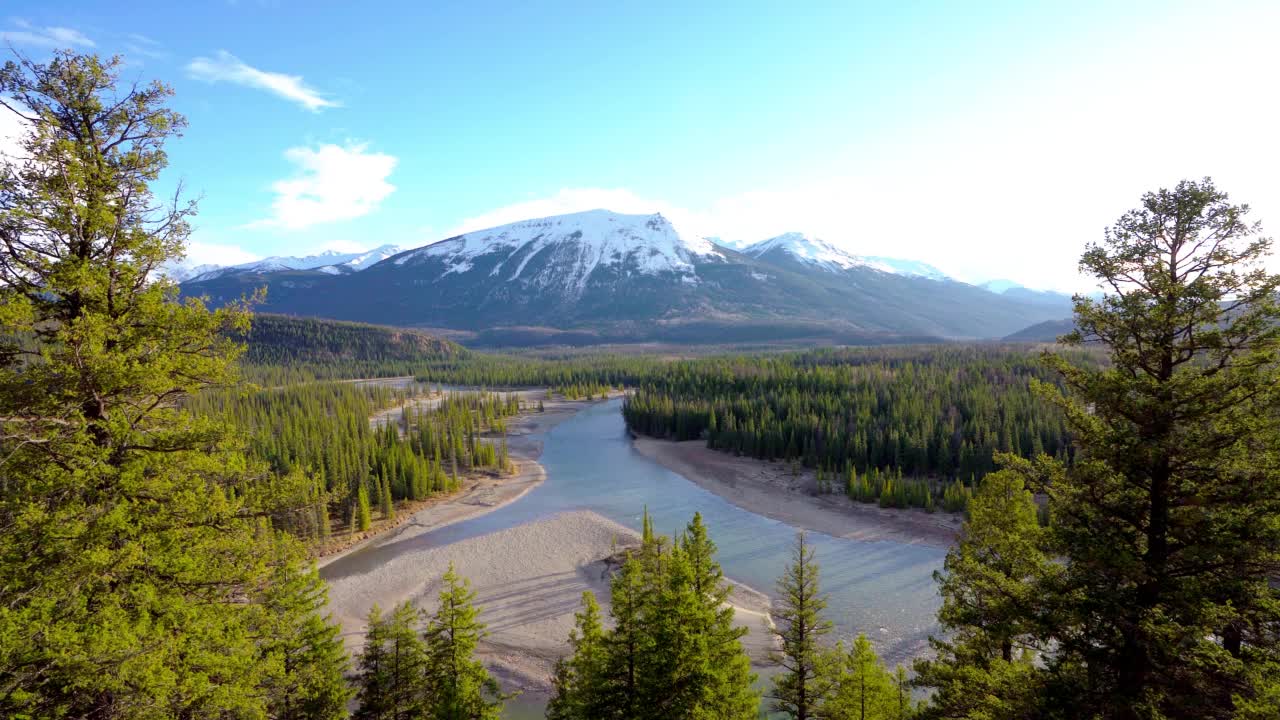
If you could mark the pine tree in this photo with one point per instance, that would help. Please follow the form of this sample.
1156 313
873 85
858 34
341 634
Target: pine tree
804 684
142 574
578 692
460 687
304 645
990 585
386 505
727 687
392 681
1169 522
863 689
364 516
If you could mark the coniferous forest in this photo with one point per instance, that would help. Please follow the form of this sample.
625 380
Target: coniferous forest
169 470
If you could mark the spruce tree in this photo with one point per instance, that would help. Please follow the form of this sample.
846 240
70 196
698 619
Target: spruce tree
578 692
459 686
727 685
392 679
990 586
804 684
304 644
142 574
863 688
1169 521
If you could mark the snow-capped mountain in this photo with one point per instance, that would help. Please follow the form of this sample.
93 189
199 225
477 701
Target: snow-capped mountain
570 249
332 262
617 277
819 253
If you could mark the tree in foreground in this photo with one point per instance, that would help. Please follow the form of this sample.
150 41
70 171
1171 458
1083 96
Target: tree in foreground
458 686
673 651
805 683
142 575
1170 524
862 688
990 586
392 674
1162 600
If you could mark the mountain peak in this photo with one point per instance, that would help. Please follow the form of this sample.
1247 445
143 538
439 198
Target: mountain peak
580 242
812 250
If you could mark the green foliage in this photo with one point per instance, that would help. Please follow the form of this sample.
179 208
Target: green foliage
989 586
578 685
863 688
673 651
321 435
392 678
143 572
287 350
805 683
1161 600
458 686
915 412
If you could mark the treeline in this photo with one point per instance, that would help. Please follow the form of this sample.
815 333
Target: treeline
941 411
281 349
320 436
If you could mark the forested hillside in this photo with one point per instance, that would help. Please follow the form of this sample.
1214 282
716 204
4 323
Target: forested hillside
925 412
280 349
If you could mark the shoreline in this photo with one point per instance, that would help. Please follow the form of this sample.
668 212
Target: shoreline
768 489
528 580
481 495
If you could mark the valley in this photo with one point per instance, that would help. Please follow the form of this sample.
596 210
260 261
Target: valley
540 548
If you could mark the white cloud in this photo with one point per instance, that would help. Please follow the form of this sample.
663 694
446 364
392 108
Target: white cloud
334 182
225 67
47 37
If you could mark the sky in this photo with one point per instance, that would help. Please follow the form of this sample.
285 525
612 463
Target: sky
992 140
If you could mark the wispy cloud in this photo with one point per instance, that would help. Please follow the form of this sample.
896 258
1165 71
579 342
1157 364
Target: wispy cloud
334 182
45 37
225 67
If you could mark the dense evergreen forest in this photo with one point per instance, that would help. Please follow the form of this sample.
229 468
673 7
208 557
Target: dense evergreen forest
320 434
940 411
282 350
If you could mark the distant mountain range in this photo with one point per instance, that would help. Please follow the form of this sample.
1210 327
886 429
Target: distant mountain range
605 276
331 262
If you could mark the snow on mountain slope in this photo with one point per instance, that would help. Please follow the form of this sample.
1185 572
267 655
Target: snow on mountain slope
578 243
816 251
332 262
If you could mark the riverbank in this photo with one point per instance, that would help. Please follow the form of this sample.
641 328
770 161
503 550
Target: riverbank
529 581
770 489
480 493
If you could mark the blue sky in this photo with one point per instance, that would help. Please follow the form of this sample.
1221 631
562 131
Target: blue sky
992 140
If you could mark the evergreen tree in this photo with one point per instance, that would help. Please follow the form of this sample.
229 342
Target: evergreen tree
864 690
459 686
392 679
725 679
990 587
364 515
804 685
304 645
142 574
1169 525
578 693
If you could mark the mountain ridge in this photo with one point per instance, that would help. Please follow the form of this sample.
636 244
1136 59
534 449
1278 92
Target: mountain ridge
637 276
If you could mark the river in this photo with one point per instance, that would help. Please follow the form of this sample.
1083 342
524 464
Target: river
884 589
